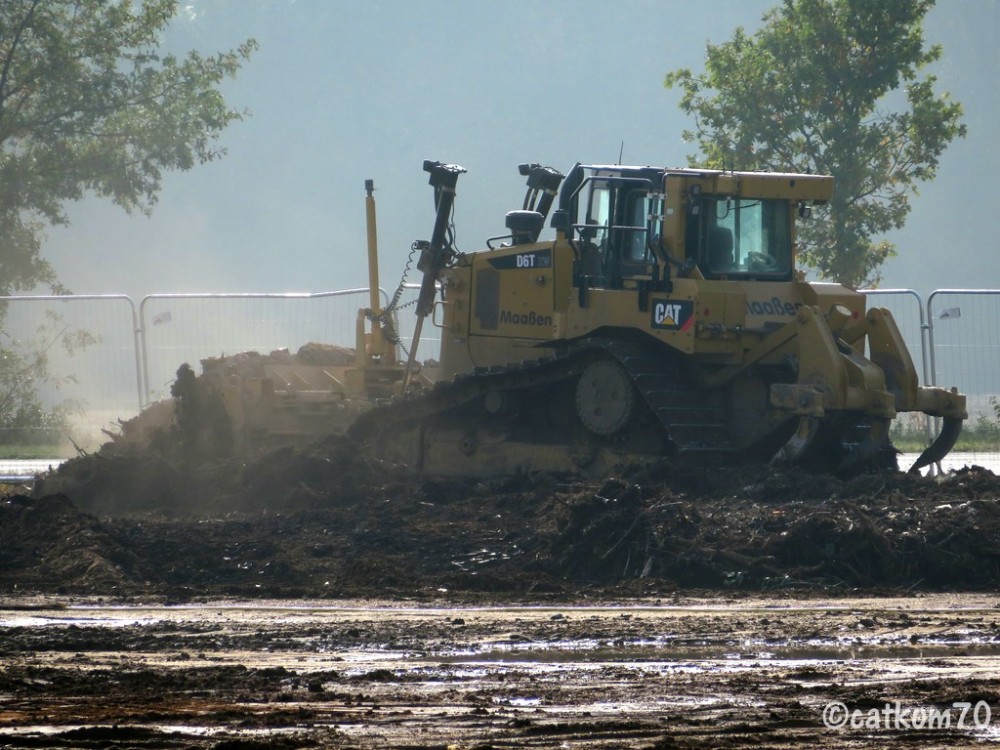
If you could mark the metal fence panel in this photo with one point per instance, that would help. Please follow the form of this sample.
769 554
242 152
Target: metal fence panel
965 353
966 347
135 353
186 328
88 346
907 310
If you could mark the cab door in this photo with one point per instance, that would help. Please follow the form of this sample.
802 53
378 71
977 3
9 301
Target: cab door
619 227
633 236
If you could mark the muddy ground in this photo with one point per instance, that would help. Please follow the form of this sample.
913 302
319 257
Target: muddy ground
731 614
321 521
722 672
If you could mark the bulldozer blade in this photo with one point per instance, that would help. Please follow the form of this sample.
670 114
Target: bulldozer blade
875 439
945 441
797 444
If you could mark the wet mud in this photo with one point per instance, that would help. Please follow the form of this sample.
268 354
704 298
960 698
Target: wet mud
732 672
310 598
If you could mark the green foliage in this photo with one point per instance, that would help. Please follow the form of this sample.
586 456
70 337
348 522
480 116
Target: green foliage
25 373
89 105
817 89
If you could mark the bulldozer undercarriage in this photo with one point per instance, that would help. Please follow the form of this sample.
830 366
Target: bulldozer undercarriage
602 404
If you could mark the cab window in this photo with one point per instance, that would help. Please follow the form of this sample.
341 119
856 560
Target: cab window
598 216
614 226
638 211
745 237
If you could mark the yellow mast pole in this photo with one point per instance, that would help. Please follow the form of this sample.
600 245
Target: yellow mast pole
376 344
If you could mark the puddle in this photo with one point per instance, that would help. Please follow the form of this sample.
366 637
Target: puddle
43 621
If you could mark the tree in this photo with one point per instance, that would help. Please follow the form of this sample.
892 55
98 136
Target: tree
89 105
817 89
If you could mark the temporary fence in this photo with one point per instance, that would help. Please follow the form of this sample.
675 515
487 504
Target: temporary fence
107 356
187 328
907 309
958 347
78 354
406 321
964 342
965 353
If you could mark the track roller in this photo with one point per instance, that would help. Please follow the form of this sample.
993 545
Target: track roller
605 397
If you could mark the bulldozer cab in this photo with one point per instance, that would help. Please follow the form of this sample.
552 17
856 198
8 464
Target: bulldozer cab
640 224
616 214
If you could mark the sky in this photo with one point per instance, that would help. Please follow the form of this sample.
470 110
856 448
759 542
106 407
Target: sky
341 91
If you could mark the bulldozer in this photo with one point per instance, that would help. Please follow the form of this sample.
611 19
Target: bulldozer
667 318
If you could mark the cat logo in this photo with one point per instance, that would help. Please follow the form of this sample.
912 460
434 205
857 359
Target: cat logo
672 315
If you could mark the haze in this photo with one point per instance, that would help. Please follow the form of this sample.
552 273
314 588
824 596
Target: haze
344 91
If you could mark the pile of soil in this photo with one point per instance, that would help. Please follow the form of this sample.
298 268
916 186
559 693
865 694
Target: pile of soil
323 521
196 424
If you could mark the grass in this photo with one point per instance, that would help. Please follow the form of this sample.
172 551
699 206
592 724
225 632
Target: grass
979 436
14 452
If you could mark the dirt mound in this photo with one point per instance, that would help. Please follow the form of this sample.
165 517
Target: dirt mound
175 483
323 521
236 401
252 364
47 544
172 508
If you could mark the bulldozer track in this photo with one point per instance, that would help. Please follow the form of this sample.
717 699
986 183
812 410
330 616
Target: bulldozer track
693 418
689 416
463 389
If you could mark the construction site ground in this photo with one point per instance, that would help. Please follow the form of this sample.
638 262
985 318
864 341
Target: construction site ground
309 598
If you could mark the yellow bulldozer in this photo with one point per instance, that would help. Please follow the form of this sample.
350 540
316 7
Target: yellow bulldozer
666 318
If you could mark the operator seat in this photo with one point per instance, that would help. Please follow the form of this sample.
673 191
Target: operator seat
720 250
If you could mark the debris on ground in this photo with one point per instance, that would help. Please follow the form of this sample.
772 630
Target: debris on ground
324 521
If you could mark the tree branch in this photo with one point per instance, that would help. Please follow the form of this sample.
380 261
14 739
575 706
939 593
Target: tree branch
9 59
